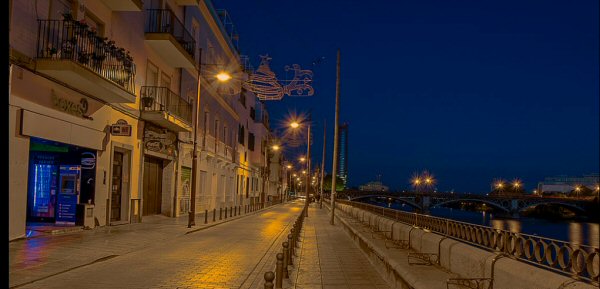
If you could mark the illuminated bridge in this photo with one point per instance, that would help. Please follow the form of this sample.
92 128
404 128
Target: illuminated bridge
512 205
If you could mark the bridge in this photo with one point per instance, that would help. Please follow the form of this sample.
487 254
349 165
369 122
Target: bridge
509 204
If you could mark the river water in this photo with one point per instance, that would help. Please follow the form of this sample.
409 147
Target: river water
570 231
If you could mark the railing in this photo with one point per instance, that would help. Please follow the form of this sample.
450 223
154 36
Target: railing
165 21
155 98
575 260
72 40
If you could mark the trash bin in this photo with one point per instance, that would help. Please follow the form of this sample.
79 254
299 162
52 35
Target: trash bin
85 216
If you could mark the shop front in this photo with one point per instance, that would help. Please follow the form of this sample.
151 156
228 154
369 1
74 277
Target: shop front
61 182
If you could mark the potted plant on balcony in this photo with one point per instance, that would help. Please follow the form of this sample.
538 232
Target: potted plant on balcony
66 51
128 62
147 101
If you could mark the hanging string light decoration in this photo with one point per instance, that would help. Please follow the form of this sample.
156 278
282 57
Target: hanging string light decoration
264 83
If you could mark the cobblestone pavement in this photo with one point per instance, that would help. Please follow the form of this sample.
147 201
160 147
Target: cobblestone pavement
158 254
329 259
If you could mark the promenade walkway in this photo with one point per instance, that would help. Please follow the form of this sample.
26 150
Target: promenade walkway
328 258
163 253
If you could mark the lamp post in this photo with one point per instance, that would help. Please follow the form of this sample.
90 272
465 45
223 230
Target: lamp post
322 165
335 139
222 76
295 125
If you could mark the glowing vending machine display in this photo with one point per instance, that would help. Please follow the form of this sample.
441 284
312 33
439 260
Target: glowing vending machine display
69 180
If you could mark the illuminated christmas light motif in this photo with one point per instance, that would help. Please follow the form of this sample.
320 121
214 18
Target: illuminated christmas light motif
266 86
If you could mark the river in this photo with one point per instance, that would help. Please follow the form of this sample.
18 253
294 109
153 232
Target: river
570 231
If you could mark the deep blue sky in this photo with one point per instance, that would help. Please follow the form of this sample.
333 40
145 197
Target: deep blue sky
469 90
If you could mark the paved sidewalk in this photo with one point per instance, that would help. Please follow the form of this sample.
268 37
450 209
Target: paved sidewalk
329 259
44 256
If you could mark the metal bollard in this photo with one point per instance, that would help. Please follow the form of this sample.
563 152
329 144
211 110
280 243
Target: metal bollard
230 212
279 271
214 214
205 216
225 212
220 213
286 259
269 276
290 250
235 212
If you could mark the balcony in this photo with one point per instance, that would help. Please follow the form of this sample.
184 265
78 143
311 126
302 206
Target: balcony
169 38
124 5
163 107
69 52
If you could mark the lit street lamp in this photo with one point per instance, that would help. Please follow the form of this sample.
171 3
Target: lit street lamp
295 125
222 77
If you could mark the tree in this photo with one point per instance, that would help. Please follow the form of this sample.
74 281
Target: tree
339 183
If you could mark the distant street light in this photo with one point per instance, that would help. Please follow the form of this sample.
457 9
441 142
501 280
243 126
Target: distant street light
577 190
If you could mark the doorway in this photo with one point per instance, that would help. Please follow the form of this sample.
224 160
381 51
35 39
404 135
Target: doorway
117 187
153 173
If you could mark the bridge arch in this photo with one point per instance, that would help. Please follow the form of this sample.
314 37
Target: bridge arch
404 200
493 204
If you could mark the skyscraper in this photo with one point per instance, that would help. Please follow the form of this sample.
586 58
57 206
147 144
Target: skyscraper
342 166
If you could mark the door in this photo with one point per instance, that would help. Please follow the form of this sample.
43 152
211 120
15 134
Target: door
117 187
152 185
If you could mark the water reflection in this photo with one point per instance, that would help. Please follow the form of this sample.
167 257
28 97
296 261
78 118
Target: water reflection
594 233
514 226
576 232
498 224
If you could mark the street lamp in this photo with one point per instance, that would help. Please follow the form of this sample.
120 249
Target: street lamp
296 125
222 77
577 190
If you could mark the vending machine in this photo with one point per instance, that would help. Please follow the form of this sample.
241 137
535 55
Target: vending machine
69 186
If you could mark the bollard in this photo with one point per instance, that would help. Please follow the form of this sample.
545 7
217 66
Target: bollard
220 213
205 216
279 271
290 250
225 212
214 214
269 276
230 212
235 212
286 259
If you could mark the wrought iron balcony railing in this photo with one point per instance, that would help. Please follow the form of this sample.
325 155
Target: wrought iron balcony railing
165 21
155 98
72 40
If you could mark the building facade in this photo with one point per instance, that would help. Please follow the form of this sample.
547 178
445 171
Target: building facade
102 109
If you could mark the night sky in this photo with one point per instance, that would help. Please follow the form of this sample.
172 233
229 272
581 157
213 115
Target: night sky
469 90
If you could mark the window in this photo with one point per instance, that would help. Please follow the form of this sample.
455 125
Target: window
252 113
241 135
251 141
243 97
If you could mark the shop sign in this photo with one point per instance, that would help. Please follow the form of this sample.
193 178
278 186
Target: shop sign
88 161
77 109
160 140
121 128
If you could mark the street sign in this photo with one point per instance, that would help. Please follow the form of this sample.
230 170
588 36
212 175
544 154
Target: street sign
121 128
